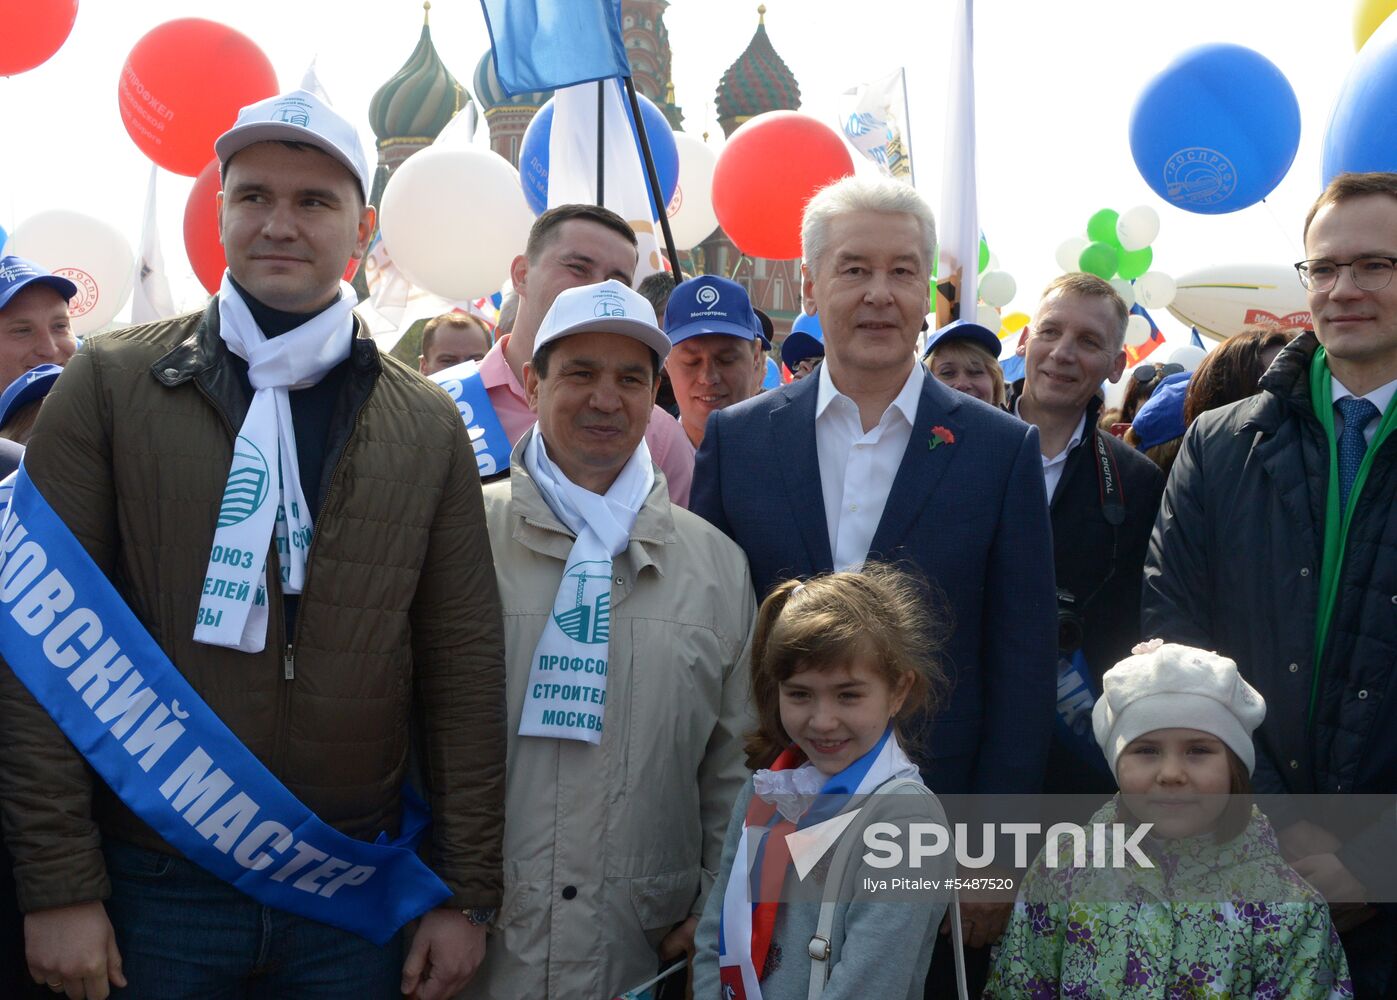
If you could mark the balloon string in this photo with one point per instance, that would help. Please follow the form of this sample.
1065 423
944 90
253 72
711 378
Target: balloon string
1285 233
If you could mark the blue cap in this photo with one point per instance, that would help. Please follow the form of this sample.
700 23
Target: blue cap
964 329
33 384
765 328
1161 419
806 340
16 274
710 304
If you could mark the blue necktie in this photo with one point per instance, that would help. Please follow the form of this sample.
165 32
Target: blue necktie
1352 445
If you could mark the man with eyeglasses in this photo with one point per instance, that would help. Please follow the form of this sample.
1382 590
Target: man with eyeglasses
1277 546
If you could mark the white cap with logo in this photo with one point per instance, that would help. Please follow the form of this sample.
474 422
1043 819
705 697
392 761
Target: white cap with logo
299 116
606 307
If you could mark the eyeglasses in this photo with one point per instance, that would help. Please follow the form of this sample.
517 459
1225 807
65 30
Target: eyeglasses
1150 372
1371 274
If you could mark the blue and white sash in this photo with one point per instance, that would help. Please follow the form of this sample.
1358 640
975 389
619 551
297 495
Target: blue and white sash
804 799
465 387
70 638
1076 695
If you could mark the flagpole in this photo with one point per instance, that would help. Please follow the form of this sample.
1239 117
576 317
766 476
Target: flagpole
654 178
907 127
601 142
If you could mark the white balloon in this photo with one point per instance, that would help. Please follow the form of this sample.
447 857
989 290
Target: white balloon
1188 356
1154 289
90 253
1069 250
691 215
988 317
997 288
1137 227
1137 330
1125 290
453 219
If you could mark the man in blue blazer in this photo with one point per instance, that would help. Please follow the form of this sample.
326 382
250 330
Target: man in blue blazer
872 459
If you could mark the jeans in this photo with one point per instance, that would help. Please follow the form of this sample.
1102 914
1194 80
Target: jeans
184 933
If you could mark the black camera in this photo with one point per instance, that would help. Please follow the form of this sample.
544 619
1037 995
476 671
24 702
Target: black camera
1071 630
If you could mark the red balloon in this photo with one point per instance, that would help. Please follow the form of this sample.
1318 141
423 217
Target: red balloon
33 34
183 85
201 241
769 169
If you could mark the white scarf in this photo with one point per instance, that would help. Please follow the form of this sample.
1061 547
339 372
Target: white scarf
233 608
791 792
566 696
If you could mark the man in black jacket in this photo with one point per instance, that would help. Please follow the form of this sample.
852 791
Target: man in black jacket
1103 496
1277 546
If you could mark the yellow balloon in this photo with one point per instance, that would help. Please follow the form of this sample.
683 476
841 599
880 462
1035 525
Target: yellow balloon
1012 324
1368 16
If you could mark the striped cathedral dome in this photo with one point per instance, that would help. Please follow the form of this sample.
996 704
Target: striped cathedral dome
491 96
419 99
758 81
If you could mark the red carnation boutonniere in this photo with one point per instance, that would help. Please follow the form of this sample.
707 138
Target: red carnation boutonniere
939 436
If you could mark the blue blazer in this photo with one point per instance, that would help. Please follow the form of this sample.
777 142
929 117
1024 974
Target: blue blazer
970 516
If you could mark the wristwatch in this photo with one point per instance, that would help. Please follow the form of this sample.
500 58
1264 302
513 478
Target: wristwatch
480 916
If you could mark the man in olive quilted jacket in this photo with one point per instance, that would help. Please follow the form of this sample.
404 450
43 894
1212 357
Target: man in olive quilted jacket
367 647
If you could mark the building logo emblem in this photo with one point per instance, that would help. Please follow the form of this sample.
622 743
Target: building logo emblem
1199 176
293 112
247 484
583 614
608 303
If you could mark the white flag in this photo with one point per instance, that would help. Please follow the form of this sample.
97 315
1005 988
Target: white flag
152 300
572 164
960 227
311 82
873 116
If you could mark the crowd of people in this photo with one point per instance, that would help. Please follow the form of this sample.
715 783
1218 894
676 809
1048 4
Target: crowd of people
325 677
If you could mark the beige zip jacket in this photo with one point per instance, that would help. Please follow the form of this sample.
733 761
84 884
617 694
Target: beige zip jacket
608 847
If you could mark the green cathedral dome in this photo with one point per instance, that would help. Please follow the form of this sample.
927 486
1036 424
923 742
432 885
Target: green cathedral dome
420 98
490 95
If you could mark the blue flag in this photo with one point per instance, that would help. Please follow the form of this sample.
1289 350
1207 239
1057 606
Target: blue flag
1195 340
547 44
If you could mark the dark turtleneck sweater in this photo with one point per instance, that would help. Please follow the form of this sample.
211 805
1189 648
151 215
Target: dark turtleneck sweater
311 412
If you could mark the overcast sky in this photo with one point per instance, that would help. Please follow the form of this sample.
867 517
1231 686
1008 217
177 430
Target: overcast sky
1056 83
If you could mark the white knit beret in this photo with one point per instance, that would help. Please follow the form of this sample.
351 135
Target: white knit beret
1167 686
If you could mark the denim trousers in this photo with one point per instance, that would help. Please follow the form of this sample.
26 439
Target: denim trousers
183 933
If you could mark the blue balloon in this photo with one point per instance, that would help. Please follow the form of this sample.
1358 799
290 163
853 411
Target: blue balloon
1216 130
533 152
3 237
1362 133
773 376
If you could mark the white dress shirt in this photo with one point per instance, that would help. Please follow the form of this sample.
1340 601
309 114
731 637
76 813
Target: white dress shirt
1052 467
1379 397
857 469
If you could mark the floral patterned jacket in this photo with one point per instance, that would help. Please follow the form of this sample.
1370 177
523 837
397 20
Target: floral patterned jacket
1207 921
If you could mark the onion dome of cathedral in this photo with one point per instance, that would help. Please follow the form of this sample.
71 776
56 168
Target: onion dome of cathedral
420 98
758 81
491 96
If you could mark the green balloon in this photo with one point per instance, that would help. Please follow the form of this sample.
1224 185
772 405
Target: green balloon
1099 259
984 256
1133 263
1101 228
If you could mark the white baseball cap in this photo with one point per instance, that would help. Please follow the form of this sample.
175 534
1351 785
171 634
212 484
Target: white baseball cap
606 307
299 116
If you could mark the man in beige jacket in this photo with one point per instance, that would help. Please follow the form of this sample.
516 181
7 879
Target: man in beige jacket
628 626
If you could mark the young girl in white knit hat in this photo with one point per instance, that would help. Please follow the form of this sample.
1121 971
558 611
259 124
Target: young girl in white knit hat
1219 913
